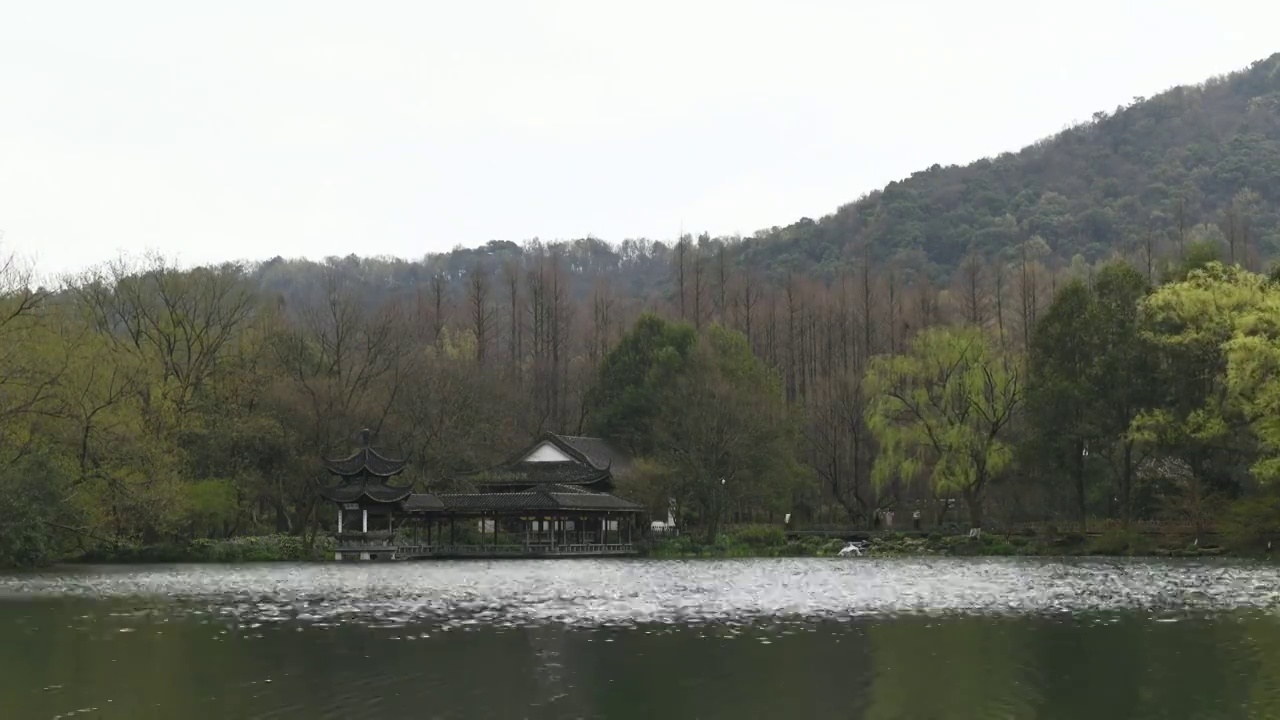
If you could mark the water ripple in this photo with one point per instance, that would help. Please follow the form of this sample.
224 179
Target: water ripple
624 593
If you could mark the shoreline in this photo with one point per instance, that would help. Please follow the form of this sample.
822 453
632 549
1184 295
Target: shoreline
1113 544
746 542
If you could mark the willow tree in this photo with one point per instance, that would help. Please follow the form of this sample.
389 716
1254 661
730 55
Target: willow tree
1253 378
1211 333
1219 334
944 407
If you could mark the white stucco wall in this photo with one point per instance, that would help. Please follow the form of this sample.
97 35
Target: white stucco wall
546 452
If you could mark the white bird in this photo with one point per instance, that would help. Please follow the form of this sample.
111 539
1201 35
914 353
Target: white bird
852 548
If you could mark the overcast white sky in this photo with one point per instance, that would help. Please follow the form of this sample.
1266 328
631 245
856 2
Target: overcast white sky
244 130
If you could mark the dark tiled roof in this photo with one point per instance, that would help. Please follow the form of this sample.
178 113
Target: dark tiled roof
592 501
556 488
597 452
365 461
360 489
497 501
517 501
420 502
539 473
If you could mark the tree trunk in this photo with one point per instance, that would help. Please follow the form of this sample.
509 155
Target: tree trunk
1126 483
283 524
714 511
973 499
1080 496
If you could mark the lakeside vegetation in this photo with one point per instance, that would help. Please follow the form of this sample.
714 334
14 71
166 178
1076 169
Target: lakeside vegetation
249 548
1083 332
757 541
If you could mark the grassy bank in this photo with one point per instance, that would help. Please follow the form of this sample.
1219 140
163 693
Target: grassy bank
259 548
770 541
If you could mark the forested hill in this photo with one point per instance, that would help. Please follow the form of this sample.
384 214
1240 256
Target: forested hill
1190 164
1092 189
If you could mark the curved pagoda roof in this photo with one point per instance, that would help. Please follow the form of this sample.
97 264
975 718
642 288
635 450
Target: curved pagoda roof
365 462
596 452
365 490
364 476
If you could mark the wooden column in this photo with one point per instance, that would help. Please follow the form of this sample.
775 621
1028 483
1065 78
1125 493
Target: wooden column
495 530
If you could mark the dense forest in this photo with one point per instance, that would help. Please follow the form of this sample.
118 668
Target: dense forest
1079 333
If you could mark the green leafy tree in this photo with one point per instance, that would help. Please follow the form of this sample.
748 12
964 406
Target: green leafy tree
945 407
724 429
626 396
707 414
1060 392
1124 381
1091 375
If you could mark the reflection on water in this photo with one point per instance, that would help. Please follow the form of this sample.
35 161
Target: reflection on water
618 639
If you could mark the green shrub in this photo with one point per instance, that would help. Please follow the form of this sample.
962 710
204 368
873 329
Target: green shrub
757 536
30 491
1119 542
260 548
996 545
1247 524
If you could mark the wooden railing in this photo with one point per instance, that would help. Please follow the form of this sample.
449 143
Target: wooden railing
532 550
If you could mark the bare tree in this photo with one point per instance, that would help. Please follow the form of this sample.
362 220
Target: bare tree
1149 250
747 307
438 290
722 284
682 252
27 382
481 310
971 290
515 351
1180 220
348 364
185 320
999 279
866 306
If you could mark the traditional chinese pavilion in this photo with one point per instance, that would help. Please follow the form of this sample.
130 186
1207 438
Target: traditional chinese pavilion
554 499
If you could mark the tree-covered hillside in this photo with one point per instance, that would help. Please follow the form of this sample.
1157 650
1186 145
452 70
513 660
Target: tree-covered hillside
1152 171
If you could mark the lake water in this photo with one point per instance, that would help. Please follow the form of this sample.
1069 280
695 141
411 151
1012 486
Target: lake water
803 638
